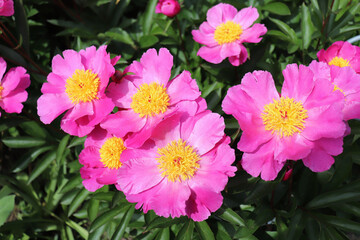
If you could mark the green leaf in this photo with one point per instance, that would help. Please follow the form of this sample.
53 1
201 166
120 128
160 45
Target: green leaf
297 224
307 27
120 35
23 142
232 217
148 16
164 234
7 205
186 231
61 148
34 129
342 223
278 8
76 141
148 41
344 19
30 156
93 209
286 29
278 34
161 222
41 166
204 230
78 200
72 183
106 217
83 233
119 232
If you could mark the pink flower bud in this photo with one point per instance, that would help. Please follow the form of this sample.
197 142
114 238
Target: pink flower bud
168 7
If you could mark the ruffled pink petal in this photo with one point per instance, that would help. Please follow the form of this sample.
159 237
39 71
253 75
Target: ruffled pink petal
55 87
7 9
97 137
114 60
167 131
252 34
121 93
332 146
65 67
205 35
211 55
108 176
90 178
347 51
2 68
183 87
320 70
292 148
318 160
12 103
246 17
90 157
239 59
50 106
220 14
229 49
262 162
15 78
102 107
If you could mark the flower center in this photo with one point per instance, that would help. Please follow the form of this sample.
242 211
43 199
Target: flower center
284 116
1 89
178 161
82 86
227 32
110 152
150 100
340 62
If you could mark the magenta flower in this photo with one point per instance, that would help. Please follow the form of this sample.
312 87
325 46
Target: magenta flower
169 8
341 54
186 167
146 97
225 31
77 84
6 8
12 88
289 126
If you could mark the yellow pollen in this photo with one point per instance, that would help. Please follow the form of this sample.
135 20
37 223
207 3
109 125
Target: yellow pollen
82 86
340 62
285 117
178 161
150 100
1 89
227 32
337 88
110 152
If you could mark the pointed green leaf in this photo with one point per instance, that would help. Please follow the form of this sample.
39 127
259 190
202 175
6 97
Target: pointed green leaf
23 142
229 215
106 217
7 205
164 234
204 230
119 232
307 26
93 209
148 16
61 148
278 8
42 165
186 231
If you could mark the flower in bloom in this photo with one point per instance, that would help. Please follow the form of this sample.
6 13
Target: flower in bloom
341 54
6 8
77 84
168 7
12 88
225 31
103 155
145 96
303 122
185 169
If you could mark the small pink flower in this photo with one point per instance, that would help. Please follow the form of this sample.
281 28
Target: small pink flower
225 31
6 8
186 167
293 125
77 84
341 54
146 96
168 7
12 88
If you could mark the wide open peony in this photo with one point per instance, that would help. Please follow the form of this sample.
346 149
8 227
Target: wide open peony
341 54
77 84
306 118
147 96
12 88
225 31
184 170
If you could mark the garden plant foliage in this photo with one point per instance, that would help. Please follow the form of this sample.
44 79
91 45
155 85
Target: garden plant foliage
42 193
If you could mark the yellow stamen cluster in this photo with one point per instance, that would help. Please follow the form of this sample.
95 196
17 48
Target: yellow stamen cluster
227 32
340 62
110 152
178 161
337 88
150 100
82 86
285 117
1 89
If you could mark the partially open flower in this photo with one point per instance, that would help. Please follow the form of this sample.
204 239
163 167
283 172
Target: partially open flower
168 7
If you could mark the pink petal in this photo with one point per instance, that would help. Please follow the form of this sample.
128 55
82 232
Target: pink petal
121 93
205 35
211 55
65 67
50 106
318 160
239 59
13 78
90 178
246 17
166 131
292 148
229 49
2 68
252 34
220 13
183 87
108 176
102 107
90 157
12 103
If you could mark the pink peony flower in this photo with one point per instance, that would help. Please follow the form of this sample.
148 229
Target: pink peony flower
186 167
77 84
103 155
169 8
225 31
12 88
341 54
147 97
291 126
6 8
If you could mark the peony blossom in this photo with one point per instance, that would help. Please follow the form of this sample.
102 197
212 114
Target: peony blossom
12 88
6 8
303 122
225 31
145 95
77 85
341 54
186 167
169 8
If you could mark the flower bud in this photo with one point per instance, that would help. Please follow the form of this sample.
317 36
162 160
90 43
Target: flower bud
168 7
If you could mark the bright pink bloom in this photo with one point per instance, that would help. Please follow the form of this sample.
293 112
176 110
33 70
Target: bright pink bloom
146 96
291 126
6 8
345 80
168 7
225 31
103 155
12 88
186 167
341 54
77 84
